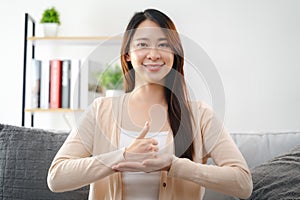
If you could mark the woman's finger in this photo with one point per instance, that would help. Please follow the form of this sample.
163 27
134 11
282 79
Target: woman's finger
153 148
129 166
154 141
144 131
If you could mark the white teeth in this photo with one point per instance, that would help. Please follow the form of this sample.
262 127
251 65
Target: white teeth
152 66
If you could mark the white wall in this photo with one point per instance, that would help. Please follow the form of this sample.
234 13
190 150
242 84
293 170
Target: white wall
254 45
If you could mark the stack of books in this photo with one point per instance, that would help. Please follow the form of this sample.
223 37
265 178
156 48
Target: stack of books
53 84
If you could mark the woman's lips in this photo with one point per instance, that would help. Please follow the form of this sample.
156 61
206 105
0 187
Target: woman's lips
153 67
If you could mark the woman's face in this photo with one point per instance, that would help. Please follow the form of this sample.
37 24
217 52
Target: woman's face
150 54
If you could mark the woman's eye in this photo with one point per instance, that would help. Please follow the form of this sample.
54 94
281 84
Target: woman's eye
142 45
164 45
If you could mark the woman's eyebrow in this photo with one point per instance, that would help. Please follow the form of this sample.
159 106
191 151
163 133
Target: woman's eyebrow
137 39
159 39
162 39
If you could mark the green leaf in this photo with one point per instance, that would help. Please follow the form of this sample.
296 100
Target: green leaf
112 77
50 15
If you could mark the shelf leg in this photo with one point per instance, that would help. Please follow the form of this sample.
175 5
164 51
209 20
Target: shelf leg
32 120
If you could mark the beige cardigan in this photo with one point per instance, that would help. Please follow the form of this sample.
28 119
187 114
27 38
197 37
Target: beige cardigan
91 149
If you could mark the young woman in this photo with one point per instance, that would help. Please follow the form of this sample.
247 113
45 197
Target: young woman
151 142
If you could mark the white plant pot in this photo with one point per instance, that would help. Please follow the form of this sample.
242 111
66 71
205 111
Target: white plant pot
50 29
113 93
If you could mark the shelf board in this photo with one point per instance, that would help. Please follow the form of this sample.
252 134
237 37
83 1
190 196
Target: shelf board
76 40
55 110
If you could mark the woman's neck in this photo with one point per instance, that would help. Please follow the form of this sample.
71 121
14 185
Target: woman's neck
149 93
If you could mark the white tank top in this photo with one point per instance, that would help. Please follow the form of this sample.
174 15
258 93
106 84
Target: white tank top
140 185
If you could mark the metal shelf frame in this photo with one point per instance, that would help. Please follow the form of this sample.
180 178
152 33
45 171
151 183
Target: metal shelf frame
28 19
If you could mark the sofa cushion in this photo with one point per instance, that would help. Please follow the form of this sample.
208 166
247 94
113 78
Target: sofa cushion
25 157
278 178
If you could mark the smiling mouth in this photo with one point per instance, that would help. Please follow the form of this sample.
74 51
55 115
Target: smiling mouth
153 67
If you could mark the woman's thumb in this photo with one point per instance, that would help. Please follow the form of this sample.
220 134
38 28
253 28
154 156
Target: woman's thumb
144 131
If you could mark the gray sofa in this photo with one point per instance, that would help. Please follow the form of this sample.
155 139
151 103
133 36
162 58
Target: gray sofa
274 161
26 154
25 157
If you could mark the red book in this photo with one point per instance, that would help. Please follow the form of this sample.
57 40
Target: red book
55 83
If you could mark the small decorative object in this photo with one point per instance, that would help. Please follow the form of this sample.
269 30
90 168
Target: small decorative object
112 80
51 22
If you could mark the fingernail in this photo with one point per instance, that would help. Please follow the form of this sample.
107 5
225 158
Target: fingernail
146 123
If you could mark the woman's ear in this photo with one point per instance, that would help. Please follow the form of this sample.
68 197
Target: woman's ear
127 57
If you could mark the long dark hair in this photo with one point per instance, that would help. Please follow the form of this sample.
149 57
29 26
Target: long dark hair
179 112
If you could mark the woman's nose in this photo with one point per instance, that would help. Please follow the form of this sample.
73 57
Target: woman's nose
153 53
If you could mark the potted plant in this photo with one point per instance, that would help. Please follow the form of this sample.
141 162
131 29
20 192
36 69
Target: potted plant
51 21
112 80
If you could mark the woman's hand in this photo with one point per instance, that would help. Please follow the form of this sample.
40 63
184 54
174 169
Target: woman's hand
161 162
142 155
141 148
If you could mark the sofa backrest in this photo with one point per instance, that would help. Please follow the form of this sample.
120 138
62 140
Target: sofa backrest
25 157
258 148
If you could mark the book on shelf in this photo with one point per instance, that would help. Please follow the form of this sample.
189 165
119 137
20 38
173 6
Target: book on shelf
33 78
84 86
45 84
75 84
55 83
65 91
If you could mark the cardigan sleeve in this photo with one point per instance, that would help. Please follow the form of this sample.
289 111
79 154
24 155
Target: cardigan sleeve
74 166
230 175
